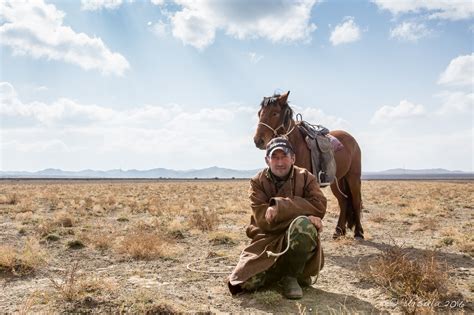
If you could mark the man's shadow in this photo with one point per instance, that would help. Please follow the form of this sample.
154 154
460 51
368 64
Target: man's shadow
314 301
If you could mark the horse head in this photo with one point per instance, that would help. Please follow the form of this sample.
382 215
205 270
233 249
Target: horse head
275 117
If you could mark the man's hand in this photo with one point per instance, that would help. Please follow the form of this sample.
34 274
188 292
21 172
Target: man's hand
270 214
316 222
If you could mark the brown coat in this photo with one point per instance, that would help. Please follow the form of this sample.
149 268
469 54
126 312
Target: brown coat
299 195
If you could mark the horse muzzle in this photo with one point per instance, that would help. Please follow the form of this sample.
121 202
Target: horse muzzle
259 143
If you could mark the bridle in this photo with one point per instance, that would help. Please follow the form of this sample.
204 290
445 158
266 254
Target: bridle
282 125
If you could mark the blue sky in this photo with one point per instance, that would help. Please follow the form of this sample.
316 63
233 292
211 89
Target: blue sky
107 84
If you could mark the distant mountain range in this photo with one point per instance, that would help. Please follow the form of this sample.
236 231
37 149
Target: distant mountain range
218 172
211 172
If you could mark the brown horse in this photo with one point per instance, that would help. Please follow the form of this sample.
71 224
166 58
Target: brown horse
276 119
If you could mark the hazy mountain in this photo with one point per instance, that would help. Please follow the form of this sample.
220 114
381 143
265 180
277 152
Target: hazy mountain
211 172
422 171
218 172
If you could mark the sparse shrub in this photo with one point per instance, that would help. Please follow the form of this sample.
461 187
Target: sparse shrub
221 238
378 218
24 261
204 220
447 240
64 219
10 199
52 237
45 227
176 229
148 302
75 244
101 240
53 202
408 279
140 244
75 287
88 203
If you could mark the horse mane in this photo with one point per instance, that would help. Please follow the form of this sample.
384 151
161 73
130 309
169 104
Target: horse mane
272 100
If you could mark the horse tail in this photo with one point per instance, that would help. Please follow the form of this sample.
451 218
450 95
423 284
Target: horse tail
350 211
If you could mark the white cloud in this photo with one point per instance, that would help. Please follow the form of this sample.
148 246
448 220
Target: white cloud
254 57
449 148
318 117
167 135
410 31
36 29
402 111
460 72
160 29
157 2
438 9
455 102
93 5
41 88
278 21
346 32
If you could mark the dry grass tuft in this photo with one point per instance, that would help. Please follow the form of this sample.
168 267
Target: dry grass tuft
409 279
452 237
10 199
100 240
24 261
143 245
204 220
221 238
268 297
378 218
176 229
64 219
75 287
75 244
144 301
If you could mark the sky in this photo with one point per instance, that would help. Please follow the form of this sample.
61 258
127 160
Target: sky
121 84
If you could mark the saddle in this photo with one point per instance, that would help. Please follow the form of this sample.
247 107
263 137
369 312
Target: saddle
321 144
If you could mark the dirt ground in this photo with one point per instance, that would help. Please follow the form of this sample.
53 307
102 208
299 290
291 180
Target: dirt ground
126 246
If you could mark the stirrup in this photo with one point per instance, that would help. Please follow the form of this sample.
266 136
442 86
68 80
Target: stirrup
321 183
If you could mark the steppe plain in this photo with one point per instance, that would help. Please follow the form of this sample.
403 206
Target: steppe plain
149 246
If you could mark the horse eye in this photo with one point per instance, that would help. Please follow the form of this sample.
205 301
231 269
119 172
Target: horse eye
276 114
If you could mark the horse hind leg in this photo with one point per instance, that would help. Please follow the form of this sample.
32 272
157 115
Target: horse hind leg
343 204
354 184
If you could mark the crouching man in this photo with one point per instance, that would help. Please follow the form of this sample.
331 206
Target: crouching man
287 204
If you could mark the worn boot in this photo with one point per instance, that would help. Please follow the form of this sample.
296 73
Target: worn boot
291 288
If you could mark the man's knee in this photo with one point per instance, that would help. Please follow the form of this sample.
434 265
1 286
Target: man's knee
303 235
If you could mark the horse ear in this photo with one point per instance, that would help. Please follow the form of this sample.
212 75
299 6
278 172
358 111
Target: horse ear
283 99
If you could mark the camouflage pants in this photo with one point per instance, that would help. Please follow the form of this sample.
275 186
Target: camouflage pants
303 236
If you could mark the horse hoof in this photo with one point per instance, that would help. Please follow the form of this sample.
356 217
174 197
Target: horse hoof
359 238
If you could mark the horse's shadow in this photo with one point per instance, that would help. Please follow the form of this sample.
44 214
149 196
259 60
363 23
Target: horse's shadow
313 301
453 260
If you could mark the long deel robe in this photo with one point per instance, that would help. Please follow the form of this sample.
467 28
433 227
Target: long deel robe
299 195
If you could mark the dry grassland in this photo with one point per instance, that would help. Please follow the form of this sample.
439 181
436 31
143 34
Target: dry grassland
114 246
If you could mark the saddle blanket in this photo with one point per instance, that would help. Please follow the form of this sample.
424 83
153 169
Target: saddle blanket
336 144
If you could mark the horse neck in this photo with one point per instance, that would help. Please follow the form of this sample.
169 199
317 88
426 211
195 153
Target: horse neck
303 155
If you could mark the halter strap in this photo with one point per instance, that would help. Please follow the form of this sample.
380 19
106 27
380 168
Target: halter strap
275 133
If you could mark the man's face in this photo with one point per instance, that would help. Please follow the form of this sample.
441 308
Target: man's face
280 162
